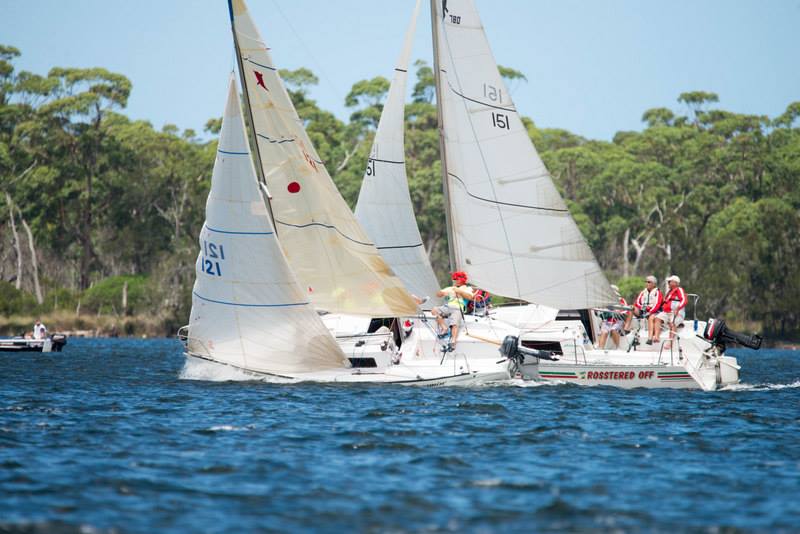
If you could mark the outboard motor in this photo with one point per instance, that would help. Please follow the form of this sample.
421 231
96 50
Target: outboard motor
515 353
717 332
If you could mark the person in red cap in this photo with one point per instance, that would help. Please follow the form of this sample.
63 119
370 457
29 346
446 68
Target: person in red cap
455 297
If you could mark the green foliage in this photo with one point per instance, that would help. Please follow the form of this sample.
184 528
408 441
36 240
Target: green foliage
708 194
630 287
106 296
14 301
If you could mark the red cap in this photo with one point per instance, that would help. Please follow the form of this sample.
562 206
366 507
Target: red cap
459 275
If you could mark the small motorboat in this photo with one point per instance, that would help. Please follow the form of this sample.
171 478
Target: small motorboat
52 343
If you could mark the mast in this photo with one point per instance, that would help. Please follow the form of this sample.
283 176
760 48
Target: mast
445 183
251 131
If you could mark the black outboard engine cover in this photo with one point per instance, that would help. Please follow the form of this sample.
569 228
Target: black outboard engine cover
511 350
717 332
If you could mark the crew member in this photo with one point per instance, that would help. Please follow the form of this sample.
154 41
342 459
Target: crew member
672 311
647 304
455 297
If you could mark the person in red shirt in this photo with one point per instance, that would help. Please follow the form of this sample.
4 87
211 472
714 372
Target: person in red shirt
672 311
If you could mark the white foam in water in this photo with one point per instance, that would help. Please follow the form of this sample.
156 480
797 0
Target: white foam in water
520 383
761 387
195 369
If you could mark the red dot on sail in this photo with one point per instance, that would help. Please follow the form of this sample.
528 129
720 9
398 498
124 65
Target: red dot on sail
293 187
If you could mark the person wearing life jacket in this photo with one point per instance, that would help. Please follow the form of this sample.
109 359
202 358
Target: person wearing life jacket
455 298
673 310
647 304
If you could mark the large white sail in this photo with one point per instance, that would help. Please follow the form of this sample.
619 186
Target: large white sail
247 308
510 228
384 206
327 249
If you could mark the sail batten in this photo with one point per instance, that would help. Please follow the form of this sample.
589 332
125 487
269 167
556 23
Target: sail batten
384 205
511 230
329 252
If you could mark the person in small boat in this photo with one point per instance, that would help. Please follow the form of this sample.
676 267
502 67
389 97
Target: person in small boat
646 304
672 310
448 314
611 323
39 330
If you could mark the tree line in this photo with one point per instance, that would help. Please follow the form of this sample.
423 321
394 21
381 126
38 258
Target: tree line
100 213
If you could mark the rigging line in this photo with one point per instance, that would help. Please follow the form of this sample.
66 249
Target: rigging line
483 157
499 202
318 64
329 227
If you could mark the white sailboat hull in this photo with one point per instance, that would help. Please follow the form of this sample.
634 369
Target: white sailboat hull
409 375
687 363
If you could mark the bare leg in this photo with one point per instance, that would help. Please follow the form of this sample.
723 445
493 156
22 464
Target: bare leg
453 335
439 322
656 331
601 343
651 326
615 338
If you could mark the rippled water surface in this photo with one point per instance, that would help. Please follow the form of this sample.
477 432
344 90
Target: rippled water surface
106 436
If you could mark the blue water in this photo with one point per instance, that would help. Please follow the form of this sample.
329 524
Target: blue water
106 437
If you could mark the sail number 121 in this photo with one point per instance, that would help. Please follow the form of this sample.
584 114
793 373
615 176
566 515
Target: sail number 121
213 254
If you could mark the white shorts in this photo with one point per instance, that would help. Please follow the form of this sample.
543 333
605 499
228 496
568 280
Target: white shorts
448 314
606 327
671 318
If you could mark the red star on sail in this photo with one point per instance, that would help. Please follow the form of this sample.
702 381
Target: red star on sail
260 79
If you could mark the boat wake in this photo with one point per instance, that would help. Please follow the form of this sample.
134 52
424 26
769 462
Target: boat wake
761 387
195 369
520 383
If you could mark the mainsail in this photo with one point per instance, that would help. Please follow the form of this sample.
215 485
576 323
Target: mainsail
384 206
247 308
510 230
327 249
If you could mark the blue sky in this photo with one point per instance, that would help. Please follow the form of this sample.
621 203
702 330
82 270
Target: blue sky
593 67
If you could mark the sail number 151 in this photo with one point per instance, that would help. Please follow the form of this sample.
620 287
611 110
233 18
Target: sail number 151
500 120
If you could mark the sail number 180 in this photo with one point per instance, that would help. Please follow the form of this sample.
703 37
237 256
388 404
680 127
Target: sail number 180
213 254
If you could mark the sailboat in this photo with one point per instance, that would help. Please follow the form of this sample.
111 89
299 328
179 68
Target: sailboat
507 226
280 251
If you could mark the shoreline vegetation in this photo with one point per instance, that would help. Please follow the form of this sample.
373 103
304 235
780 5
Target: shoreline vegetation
100 214
147 326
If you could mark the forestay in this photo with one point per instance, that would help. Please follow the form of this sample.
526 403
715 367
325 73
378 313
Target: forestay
247 308
511 230
328 251
384 206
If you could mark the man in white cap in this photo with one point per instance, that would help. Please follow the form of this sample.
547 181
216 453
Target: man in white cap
647 304
672 311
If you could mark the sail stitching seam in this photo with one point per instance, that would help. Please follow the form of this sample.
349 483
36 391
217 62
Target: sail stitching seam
249 305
